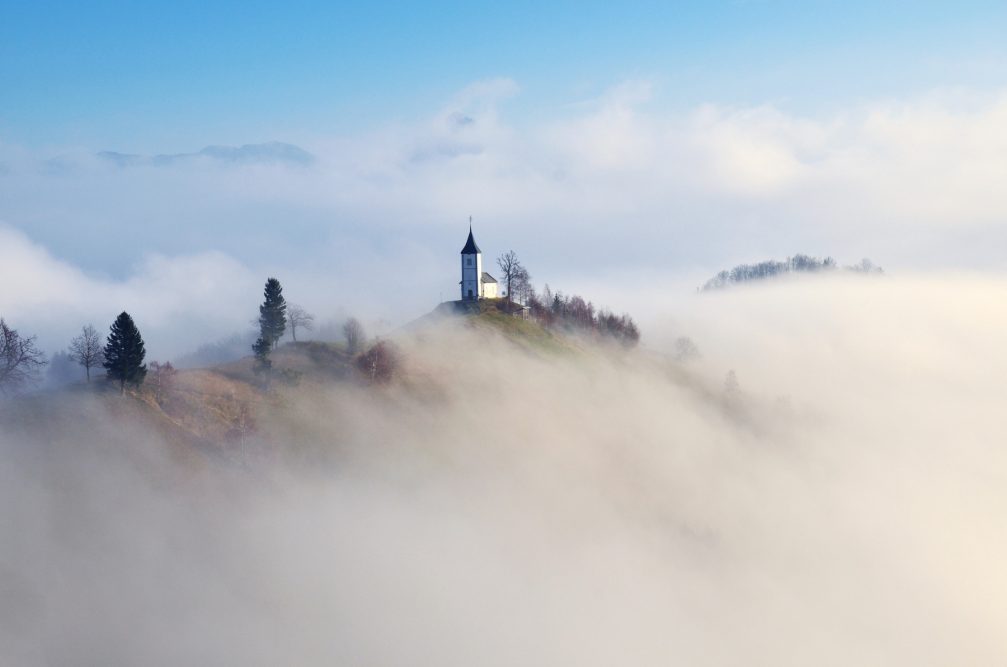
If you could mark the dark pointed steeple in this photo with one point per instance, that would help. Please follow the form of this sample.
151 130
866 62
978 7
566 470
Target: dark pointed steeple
470 246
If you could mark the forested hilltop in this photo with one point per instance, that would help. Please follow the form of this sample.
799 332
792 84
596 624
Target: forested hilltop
773 268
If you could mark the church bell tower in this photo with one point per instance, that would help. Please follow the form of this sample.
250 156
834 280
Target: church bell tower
472 269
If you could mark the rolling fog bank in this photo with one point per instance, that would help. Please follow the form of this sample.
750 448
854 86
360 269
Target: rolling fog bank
841 503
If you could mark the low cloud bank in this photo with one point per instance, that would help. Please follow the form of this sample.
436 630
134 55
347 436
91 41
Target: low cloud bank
842 504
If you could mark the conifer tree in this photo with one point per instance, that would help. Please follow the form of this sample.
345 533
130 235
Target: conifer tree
261 348
124 353
273 313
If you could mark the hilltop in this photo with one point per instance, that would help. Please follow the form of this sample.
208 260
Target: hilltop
498 317
207 414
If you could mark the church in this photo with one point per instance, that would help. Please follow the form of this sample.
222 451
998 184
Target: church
476 283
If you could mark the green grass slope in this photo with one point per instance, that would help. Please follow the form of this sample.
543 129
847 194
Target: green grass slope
497 317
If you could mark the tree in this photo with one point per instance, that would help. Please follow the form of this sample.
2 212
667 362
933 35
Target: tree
20 360
545 302
522 287
298 317
162 377
512 271
866 266
86 349
242 423
272 313
540 307
354 332
685 349
124 353
263 364
379 363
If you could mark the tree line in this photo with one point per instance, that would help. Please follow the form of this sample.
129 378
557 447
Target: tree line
121 354
771 268
574 313
557 311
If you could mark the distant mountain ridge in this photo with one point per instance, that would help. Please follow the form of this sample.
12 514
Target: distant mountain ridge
273 152
771 269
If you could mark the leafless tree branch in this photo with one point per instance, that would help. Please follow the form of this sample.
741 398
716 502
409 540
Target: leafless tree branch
20 360
87 349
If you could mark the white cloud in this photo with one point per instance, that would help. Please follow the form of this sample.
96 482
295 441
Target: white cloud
178 302
613 135
611 186
183 301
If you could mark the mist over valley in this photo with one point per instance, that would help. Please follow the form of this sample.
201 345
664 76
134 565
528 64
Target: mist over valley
502 501
537 334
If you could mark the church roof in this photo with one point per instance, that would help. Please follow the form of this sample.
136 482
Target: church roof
487 278
470 246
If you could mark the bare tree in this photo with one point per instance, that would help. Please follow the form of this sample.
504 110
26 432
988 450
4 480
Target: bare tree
20 359
243 426
354 332
522 287
380 363
162 378
241 422
86 349
298 317
686 350
512 271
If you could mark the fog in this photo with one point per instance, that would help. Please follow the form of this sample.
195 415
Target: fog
499 507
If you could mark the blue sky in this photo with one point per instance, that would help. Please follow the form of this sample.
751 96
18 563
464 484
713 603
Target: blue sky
175 76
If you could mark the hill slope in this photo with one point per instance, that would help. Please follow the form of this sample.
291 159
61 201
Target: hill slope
210 414
497 317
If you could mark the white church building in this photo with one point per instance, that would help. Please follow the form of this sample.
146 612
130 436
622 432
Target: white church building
476 283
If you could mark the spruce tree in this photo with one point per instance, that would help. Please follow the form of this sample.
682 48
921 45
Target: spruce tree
273 313
124 353
263 364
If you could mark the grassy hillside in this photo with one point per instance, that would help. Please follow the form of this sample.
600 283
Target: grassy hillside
492 317
202 414
310 361
189 422
209 414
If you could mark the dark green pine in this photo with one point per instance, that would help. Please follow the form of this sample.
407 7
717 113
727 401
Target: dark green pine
124 353
273 312
261 348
